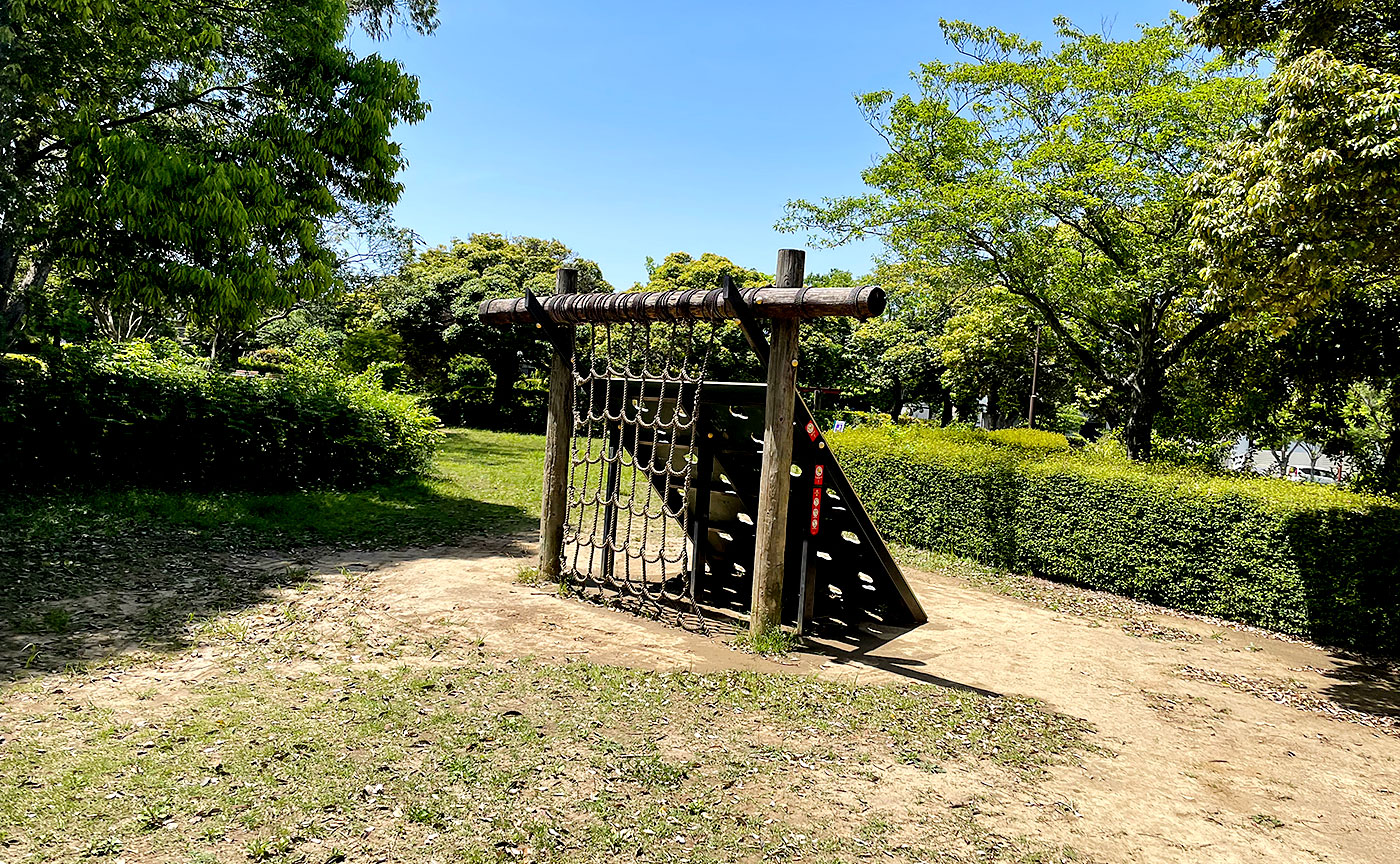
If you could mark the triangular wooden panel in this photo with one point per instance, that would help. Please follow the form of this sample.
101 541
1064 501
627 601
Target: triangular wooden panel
843 574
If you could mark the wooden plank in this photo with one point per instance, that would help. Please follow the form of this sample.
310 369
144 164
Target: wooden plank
559 427
770 522
779 301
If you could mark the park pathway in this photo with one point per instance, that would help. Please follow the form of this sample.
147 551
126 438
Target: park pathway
1215 743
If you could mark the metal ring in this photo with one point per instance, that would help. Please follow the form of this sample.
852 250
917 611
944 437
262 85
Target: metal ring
855 299
797 301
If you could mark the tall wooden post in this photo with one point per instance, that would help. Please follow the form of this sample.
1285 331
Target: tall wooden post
770 522
559 427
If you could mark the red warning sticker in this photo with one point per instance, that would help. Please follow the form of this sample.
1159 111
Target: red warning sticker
816 508
817 475
812 431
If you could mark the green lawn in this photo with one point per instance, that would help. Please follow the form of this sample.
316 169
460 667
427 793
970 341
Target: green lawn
67 559
485 483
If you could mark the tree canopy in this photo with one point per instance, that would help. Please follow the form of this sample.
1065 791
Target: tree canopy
185 156
1060 174
432 303
1299 208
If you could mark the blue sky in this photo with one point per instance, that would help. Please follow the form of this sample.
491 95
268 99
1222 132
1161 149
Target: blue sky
635 129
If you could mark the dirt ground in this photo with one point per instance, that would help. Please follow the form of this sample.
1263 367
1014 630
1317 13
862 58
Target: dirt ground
1211 742
1216 743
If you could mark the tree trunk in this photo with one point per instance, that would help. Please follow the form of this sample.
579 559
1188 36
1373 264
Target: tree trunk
13 309
9 266
1144 402
1137 428
946 415
897 400
506 369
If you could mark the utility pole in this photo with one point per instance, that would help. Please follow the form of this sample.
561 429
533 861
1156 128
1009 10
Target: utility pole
1035 368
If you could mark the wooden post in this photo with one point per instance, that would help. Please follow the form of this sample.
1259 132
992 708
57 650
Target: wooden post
559 427
770 522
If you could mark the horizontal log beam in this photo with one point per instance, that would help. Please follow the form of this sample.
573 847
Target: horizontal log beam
695 304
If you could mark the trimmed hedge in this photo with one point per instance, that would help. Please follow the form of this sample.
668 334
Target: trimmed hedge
1298 558
156 417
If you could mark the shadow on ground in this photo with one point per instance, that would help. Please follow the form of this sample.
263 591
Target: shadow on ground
1370 685
87 578
848 645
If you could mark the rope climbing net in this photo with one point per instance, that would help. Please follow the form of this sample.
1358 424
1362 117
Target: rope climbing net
632 466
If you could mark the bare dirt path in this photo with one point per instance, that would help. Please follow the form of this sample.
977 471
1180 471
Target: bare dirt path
1217 744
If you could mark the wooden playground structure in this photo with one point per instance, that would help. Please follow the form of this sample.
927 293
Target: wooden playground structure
675 495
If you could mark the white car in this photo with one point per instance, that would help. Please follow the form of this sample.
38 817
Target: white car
1313 475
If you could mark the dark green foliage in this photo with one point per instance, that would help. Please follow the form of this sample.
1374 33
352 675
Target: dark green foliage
156 417
192 158
1301 559
523 411
431 305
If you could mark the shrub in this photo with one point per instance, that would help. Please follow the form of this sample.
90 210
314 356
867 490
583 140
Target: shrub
273 359
151 415
363 348
1029 439
1303 559
22 366
471 405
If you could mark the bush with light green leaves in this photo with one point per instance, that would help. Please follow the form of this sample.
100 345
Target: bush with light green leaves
1303 559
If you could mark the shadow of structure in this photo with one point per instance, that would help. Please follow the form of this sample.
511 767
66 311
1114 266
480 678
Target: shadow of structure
861 645
1349 566
90 592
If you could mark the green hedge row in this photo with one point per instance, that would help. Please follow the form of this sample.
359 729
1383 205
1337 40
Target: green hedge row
156 417
1299 558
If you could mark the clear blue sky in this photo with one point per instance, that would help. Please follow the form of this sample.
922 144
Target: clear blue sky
634 129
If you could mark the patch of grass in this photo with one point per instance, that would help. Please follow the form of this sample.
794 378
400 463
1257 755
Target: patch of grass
482 755
1264 820
57 620
774 642
484 482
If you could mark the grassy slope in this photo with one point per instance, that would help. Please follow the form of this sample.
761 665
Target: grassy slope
487 482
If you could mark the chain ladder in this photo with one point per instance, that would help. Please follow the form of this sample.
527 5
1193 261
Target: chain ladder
632 465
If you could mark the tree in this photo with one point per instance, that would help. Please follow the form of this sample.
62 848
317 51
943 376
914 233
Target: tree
988 350
1059 175
432 305
1299 208
825 343
731 358
1329 380
894 359
186 155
